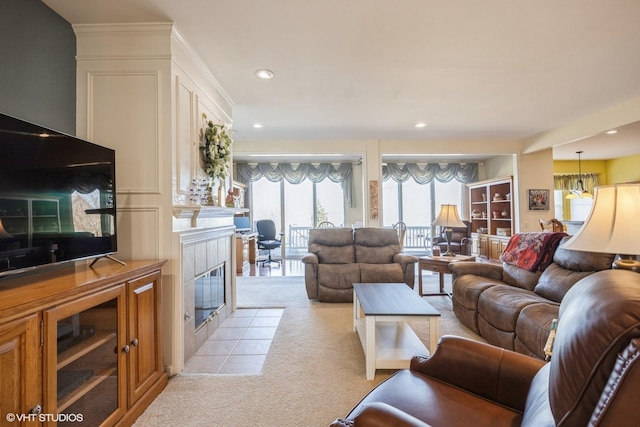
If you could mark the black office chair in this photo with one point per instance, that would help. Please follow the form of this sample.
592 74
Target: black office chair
266 229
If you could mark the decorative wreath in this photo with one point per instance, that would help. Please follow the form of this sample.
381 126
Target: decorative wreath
216 149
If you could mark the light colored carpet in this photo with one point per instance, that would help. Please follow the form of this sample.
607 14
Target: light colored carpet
313 374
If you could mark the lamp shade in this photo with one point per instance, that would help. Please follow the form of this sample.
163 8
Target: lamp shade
612 225
448 217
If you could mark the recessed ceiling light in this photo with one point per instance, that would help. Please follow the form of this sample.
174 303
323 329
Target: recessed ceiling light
420 125
257 125
612 131
264 74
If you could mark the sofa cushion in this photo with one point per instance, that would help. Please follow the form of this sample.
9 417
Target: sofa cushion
385 273
376 245
338 276
556 281
582 261
500 305
519 277
332 245
567 269
466 292
533 327
437 403
335 282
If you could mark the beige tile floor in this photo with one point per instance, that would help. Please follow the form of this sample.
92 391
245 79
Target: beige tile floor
239 346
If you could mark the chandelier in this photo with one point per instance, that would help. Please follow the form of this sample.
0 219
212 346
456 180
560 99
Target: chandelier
579 191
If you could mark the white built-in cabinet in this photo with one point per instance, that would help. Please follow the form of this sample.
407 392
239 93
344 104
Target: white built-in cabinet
141 90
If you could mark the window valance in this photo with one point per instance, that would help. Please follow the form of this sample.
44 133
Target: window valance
462 172
569 182
296 173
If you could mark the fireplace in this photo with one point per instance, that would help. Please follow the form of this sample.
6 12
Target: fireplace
209 293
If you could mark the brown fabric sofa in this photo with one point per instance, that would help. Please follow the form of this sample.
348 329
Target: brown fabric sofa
340 257
512 307
592 379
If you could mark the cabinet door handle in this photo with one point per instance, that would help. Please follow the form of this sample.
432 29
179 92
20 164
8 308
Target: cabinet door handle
187 316
134 342
126 349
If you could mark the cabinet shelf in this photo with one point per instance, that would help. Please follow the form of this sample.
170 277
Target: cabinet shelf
84 347
86 387
489 200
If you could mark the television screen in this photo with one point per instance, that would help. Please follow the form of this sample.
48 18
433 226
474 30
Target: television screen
57 197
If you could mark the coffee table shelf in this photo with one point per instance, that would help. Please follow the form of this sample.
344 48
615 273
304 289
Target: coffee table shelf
387 340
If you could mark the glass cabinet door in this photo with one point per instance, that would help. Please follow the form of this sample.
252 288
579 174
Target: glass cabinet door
85 344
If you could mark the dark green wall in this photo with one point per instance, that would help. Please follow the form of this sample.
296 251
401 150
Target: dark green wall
37 65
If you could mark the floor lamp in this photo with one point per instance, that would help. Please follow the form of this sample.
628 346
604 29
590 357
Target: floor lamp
448 218
612 225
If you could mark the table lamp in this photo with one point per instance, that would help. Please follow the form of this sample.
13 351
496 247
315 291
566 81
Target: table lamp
611 226
448 218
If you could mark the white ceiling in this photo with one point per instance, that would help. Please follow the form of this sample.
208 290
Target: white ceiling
371 69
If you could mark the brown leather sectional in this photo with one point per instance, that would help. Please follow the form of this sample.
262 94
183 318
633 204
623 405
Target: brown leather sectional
512 307
340 257
592 379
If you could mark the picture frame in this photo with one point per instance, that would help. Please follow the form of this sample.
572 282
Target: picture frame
538 199
373 199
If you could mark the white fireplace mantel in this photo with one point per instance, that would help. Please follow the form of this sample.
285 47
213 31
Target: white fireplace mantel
194 212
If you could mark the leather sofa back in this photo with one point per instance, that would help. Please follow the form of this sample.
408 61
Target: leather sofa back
598 319
567 269
332 245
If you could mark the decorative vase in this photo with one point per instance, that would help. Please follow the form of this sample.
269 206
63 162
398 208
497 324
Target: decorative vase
220 195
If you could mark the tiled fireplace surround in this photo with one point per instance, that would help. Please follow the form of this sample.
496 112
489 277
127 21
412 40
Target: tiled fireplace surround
201 251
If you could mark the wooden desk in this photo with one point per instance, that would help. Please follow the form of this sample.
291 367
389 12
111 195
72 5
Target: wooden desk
245 250
439 264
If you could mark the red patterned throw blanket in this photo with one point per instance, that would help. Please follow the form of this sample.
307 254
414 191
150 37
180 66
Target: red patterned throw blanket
531 251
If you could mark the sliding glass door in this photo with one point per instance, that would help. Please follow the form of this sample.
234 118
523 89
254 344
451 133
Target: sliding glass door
297 208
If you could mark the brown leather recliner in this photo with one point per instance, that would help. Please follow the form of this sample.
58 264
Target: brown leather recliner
460 241
592 379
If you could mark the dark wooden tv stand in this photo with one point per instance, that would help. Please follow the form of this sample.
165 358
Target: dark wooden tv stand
82 341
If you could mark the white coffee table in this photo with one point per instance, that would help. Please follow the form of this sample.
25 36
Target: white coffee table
388 342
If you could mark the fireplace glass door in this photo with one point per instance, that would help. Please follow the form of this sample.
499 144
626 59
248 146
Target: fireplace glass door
209 295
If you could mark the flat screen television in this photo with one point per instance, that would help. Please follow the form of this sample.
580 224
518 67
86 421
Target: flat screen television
57 197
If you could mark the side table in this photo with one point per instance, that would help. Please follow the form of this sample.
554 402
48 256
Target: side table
439 264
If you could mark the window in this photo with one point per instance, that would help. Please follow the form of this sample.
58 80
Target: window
302 207
329 204
417 206
266 201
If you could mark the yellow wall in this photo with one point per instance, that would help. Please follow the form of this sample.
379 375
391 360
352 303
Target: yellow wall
615 171
588 166
624 169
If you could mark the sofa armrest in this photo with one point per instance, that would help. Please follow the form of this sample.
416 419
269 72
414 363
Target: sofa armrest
378 414
484 269
494 373
405 259
310 258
